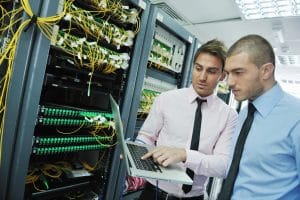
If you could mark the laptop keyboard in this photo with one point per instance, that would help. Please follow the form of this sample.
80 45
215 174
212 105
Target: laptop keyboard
137 152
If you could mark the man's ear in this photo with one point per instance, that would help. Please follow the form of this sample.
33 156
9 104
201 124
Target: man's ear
267 71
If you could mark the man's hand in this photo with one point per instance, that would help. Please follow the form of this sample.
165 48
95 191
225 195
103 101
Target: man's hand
166 155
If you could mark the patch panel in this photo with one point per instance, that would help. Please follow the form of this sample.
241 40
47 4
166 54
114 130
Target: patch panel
73 122
147 99
99 28
60 112
151 89
157 85
43 141
90 54
67 149
117 11
167 51
162 52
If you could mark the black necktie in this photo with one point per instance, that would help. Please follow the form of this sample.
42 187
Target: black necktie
195 141
227 187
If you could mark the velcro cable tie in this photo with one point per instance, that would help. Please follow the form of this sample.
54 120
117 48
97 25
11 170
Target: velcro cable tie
33 20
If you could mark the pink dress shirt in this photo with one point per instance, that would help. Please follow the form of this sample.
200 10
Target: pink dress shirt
170 123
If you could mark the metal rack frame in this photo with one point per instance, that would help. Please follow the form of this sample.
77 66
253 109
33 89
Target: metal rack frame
24 95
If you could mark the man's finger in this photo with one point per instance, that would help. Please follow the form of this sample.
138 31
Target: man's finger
167 162
161 159
147 155
157 151
150 153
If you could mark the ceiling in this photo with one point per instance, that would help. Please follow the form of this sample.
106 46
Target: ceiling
222 19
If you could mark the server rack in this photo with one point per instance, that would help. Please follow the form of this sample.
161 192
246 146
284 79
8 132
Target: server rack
31 103
159 19
164 37
197 45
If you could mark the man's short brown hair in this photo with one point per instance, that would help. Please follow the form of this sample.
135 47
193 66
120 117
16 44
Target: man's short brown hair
214 47
258 49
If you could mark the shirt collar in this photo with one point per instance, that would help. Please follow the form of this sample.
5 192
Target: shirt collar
192 95
266 102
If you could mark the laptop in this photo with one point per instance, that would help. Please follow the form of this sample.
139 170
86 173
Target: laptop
133 151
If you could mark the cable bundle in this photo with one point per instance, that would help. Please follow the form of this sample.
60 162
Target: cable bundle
116 10
90 54
98 28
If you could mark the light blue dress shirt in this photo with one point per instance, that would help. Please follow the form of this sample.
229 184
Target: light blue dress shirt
270 164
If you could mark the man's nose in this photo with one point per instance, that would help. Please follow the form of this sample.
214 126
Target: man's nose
203 75
230 80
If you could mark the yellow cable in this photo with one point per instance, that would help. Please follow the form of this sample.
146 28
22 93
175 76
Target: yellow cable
51 170
88 167
35 187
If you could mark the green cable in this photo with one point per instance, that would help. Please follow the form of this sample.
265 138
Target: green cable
45 181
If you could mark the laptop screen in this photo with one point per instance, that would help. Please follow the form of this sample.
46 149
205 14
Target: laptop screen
119 128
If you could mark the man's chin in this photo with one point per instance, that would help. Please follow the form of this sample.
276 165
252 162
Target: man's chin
239 98
203 93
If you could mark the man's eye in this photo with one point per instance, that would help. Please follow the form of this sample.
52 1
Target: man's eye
238 73
198 68
212 71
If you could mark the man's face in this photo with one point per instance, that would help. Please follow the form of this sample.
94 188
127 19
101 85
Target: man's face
207 72
244 77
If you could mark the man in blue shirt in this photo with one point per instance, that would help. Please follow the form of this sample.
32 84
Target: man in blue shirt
269 167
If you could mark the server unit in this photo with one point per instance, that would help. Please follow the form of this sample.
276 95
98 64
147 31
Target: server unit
58 139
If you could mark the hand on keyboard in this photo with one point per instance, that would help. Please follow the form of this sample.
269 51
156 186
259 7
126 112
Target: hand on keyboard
137 152
166 155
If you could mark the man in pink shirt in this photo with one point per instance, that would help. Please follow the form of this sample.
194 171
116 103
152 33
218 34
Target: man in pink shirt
170 123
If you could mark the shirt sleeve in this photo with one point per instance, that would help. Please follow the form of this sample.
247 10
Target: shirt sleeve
295 135
215 164
153 124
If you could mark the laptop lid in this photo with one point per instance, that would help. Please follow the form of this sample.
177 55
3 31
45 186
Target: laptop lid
119 129
171 173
